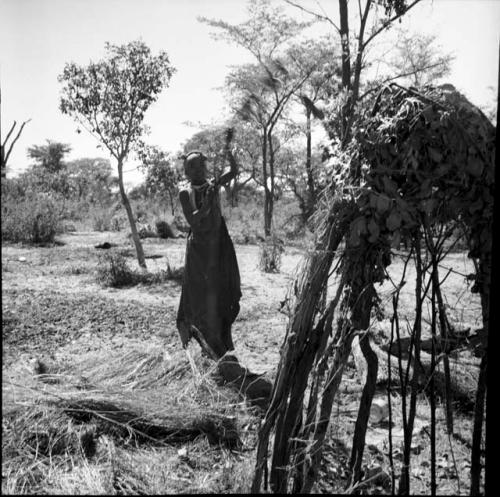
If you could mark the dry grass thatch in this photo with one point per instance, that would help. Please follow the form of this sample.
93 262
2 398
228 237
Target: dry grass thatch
91 426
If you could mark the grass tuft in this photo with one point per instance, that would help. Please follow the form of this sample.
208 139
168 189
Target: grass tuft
114 271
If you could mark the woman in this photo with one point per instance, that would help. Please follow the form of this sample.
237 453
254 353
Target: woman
211 291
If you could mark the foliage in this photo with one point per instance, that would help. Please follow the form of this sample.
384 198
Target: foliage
261 91
270 254
32 219
418 59
49 172
164 230
417 162
430 160
114 271
162 175
50 157
265 31
109 98
102 220
91 179
372 18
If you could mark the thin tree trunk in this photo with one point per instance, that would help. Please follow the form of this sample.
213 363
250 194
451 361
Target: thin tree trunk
311 201
445 335
404 484
265 175
272 178
432 398
344 36
135 235
358 442
346 67
475 469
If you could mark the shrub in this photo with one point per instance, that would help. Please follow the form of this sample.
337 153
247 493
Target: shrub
113 271
164 229
101 220
34 219
270 254
118 222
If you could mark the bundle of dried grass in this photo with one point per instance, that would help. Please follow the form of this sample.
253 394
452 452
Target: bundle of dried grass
88 424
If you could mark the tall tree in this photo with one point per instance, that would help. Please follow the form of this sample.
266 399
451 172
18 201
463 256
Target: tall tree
321 58
109 98
373 17
265 88
286 411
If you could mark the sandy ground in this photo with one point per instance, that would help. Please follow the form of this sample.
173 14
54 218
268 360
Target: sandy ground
53 306
257 333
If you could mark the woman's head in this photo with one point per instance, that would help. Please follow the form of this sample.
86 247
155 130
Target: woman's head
195 166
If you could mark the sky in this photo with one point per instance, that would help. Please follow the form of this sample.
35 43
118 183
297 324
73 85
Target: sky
37 37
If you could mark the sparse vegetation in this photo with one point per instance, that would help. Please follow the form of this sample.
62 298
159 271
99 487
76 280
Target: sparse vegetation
33 219
114 271
270 254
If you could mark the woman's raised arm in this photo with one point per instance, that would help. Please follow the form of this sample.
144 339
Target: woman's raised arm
233 171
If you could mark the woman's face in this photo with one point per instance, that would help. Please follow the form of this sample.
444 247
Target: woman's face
196 169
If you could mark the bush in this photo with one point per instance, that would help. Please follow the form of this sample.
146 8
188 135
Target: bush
113 271
34 219
164 229
101 220
270 254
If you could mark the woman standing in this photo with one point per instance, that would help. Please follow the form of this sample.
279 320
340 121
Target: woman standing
211 291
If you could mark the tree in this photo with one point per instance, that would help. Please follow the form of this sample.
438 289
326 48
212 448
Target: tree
418 60
374 17
162 176
320 58
263 90
49 171
50 157
91 179
306 334
109 98
5 147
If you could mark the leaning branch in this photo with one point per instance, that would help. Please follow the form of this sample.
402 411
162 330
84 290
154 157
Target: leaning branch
312 13
14 141
388 22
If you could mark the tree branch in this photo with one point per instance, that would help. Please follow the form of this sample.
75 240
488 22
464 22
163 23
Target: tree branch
402 75
315 14
6 158
388 22
9 133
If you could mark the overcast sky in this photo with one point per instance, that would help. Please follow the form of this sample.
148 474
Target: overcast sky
37 37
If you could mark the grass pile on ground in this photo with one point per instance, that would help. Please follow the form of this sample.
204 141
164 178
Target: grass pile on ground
139 421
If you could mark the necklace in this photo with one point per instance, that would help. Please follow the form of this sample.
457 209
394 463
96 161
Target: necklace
200 188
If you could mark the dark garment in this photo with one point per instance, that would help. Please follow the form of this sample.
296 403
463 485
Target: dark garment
211 285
